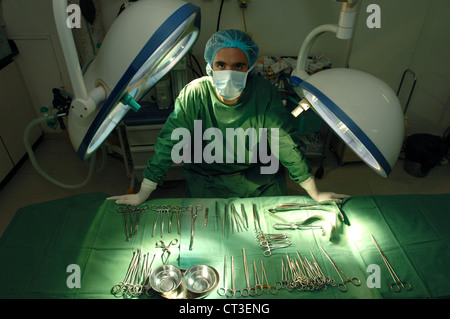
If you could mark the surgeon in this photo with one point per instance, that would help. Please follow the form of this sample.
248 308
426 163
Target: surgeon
230 99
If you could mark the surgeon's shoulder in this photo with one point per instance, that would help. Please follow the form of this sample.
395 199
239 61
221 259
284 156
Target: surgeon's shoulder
261 83
199 86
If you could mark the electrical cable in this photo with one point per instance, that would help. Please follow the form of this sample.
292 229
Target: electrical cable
220 13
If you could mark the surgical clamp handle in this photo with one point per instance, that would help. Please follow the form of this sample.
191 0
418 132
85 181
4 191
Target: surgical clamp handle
397 281
267 285
268 251
248 289
166 249
222 291
342 286
232 292
258 284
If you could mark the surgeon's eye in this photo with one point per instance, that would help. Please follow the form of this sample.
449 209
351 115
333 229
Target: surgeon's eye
220 65
240 67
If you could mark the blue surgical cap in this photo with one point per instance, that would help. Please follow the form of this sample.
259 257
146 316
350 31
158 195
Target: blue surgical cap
231 39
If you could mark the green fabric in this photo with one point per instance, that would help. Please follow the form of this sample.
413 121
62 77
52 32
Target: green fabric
87 230
259 107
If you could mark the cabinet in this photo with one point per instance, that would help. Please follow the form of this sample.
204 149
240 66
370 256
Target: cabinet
141 140
16 112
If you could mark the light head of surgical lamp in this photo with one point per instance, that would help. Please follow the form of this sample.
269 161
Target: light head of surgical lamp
362 110
142 45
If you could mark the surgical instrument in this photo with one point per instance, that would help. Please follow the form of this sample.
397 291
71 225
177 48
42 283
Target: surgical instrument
267 285
256 218
166 249
193 219
222 291
131 217
293 226
326 280
237 218
232 292
157 209
398 283
282 283
206 217
136 280
216 217
247 290
123 287
224 221
258 285
310 206
342 286
269 242
244 214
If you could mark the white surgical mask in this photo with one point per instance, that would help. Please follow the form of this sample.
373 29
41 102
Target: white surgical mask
230 84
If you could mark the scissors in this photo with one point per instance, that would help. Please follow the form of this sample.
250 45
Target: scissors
166 249
342 286
397 285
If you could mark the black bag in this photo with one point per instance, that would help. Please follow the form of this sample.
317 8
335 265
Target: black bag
422 153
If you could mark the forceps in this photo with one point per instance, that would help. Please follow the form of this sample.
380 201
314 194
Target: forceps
248 289
272 289
193 218
232 292
342 286
166 249
258 285
280 226
159 214
222 291
397 284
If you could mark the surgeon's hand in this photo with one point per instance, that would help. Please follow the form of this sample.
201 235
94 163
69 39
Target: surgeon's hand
147 187
311 188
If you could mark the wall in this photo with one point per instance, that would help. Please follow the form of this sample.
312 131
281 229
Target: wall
414 34
31 25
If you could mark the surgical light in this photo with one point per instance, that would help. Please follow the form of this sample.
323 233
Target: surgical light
142 45
362 110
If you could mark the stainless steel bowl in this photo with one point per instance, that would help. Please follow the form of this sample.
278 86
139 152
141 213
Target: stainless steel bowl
165 278
200 278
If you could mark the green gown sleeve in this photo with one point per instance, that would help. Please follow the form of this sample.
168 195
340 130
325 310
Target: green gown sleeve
290 156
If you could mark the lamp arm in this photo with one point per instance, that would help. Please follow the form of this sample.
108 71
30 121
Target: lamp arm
300 69
343 30
84 103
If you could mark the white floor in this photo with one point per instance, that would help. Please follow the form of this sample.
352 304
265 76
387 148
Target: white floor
56 156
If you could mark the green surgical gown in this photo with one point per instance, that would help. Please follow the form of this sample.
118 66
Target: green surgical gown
214 162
